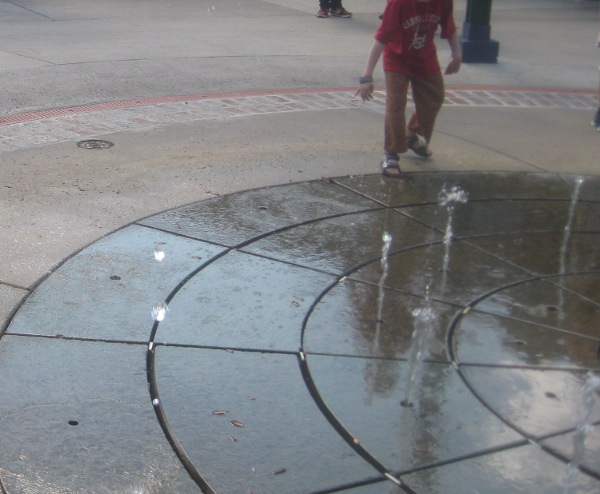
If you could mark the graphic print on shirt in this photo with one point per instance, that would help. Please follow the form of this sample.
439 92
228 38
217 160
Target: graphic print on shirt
420 24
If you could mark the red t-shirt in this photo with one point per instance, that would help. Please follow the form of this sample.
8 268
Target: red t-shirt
407 31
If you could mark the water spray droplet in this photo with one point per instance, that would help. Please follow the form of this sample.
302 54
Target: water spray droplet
424 321
159 311
385 251
448 199
452 196
590 393
159 253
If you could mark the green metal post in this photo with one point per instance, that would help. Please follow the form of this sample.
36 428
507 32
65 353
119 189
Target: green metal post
477 47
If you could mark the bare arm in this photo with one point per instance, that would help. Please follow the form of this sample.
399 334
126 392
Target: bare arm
366 89
454 65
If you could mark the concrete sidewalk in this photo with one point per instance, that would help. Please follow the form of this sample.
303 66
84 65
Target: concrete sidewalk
60 56
204 100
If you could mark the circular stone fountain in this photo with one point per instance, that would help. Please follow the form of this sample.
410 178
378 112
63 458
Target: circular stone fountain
270 371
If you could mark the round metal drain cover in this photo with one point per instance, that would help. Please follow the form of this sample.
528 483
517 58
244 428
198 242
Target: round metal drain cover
95 144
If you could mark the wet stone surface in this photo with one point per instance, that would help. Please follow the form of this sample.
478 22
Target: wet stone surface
344 322
285 361
239 218
108 290
75 416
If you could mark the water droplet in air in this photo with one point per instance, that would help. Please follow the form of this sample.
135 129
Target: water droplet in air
159 311
455 194
159 254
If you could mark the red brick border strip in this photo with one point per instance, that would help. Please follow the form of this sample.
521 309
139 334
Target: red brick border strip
132 103
140 102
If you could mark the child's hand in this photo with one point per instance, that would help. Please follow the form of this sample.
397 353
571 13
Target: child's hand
366 91
454 66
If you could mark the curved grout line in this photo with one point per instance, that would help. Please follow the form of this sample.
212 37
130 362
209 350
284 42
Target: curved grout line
532 439
168 431
467 383
538 325
316 395
458 367
345 434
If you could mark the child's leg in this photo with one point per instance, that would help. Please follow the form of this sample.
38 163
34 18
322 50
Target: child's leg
395 108
428 95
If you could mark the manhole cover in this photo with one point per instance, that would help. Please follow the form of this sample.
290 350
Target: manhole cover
95 144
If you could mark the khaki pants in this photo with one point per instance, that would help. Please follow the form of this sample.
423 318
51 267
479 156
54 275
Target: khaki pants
428 96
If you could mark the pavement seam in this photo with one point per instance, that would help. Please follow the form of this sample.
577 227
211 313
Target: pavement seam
26 130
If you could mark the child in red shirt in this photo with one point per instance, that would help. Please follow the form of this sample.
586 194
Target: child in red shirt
406 39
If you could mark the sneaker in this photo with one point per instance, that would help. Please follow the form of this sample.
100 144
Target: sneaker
340 12
322 13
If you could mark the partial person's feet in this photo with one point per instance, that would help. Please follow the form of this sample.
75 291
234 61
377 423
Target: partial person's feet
340 12
322 13
417 146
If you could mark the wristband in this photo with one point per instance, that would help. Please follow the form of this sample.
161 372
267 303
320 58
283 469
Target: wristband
365 79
